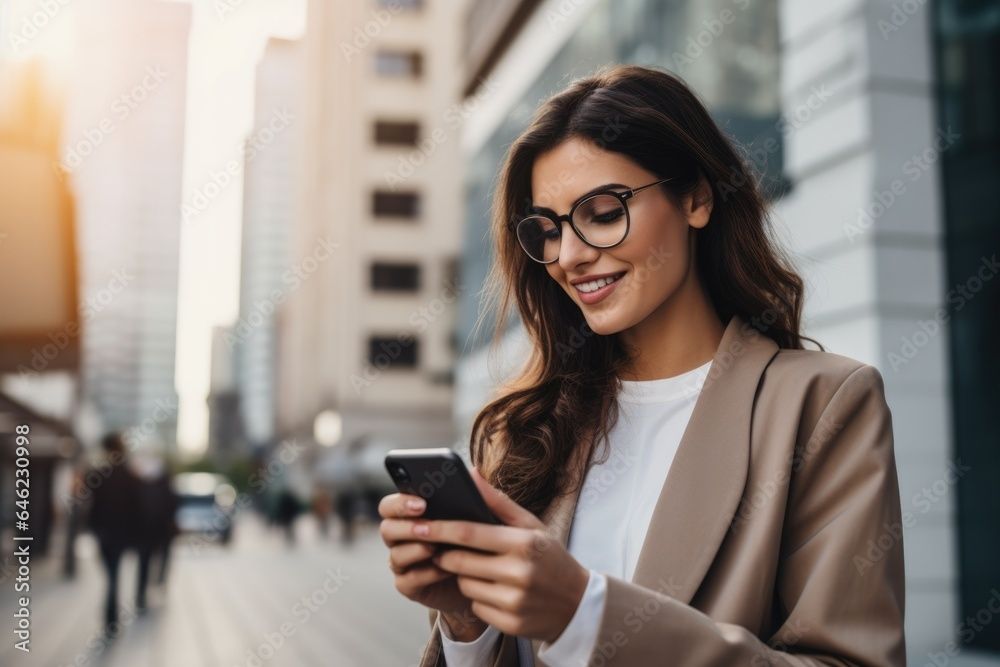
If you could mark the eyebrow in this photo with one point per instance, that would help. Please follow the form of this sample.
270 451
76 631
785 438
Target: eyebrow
593 191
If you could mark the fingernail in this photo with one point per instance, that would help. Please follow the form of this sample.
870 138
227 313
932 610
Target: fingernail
415 504
421 529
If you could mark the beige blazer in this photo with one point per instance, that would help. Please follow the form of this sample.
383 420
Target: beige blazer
776 539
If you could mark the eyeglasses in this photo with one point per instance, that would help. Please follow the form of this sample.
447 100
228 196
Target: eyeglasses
600 220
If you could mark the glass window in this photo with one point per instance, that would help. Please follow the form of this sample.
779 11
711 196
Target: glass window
396 133
393 351
967 52
395 204
395 277
393 5
398 63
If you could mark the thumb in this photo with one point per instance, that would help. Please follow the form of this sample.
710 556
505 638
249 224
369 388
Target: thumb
505 509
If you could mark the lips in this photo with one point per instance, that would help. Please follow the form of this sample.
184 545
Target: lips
589 286
600 293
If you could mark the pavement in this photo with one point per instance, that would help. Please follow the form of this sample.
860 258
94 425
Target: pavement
258 602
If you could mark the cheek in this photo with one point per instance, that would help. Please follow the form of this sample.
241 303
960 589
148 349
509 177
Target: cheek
659 260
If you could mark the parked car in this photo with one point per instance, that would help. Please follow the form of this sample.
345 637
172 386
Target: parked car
207 504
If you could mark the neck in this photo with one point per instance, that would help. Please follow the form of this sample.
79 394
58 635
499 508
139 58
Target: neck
682 334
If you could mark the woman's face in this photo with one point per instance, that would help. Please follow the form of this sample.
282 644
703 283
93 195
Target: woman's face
653 260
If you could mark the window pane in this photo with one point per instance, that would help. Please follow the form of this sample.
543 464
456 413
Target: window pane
398 63
393 351
392 276
396 133
395 204
401 4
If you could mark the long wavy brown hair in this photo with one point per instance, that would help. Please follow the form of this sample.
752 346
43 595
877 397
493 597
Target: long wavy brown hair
563 398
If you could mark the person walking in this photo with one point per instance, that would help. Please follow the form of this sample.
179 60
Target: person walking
114 518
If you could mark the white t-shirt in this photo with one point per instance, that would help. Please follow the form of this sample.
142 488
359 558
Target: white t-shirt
613 511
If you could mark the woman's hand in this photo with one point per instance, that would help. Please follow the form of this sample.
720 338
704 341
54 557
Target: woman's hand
416 577
520 580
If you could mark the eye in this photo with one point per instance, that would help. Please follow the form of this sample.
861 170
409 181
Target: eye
608 216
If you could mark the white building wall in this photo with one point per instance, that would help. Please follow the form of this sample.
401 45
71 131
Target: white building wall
864 218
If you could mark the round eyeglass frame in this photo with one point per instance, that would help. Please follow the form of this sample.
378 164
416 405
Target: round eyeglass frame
622 196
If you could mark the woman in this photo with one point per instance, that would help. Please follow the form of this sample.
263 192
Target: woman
681 481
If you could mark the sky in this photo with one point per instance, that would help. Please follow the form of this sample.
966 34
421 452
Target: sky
226 42
227 39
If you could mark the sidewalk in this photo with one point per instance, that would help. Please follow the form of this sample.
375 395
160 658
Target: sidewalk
256 603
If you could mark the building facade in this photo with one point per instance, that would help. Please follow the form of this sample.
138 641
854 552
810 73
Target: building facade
124 156
366 330
270 212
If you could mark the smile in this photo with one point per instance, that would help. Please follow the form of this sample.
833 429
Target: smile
596 290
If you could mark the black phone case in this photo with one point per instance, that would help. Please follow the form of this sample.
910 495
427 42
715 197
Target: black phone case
439 476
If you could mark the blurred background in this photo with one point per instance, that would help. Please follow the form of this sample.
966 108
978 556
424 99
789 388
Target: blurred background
245 240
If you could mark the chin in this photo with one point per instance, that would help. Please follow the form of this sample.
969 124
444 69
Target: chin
605 324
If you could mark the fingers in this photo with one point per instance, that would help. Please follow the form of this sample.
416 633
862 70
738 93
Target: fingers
503 569
402 556
413 580
474 535
499 596
469 534
394 531
505 509
396 505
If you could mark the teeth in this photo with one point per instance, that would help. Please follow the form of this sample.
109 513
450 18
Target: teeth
595 285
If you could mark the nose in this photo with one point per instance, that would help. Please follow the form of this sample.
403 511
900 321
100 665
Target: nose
573 251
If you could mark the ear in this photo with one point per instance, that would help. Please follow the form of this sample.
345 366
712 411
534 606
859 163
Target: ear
698 204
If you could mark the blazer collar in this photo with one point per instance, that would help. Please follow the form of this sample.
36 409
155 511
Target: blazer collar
707 477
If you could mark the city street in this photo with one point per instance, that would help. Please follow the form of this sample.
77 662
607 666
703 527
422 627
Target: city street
257 602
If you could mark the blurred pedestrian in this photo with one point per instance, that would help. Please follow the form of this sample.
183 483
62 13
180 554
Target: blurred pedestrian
286 512
345 512
157 506
322 508
114 517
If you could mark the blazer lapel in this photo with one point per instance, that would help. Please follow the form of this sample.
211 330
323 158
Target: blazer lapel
707 477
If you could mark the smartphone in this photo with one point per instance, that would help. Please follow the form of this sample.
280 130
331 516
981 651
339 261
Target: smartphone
439 476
